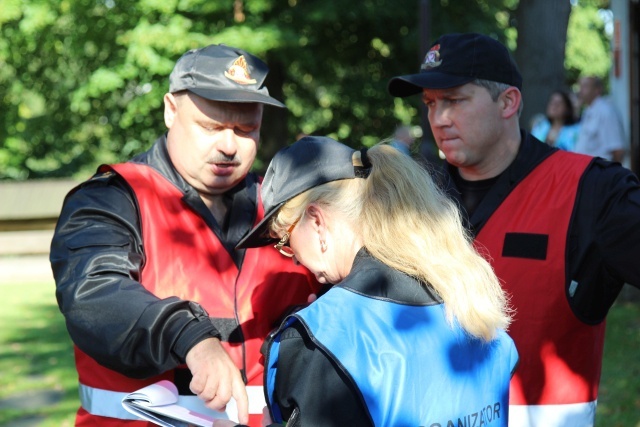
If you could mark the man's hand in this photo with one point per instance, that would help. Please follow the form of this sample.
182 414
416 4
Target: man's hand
216 379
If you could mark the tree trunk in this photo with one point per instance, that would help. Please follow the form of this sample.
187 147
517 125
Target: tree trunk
542 36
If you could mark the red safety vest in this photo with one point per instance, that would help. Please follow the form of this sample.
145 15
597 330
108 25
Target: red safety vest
560 356
184 258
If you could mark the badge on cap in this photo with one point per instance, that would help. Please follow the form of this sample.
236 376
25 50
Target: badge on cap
432 58
239 72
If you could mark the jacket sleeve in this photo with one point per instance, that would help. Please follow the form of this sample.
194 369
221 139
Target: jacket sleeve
604 240
96 257
310 389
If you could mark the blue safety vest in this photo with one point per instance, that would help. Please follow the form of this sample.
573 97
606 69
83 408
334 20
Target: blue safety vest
411 367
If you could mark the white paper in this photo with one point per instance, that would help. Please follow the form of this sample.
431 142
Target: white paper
160 404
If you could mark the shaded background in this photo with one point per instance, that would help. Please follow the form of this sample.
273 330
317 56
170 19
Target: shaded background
82 81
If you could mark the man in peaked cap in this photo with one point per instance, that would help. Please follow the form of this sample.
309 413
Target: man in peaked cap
562 230
147 274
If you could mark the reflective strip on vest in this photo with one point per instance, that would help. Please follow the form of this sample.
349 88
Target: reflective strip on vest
571 414
107 403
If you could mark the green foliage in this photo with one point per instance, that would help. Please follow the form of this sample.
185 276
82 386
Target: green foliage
588 47
82 81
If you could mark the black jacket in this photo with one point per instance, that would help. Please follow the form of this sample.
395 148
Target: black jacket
96 253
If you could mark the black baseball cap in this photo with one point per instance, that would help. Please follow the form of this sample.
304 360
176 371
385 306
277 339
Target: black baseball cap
222 73
307 163
456 59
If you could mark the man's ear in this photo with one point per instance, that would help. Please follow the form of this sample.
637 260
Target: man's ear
510 102
170 109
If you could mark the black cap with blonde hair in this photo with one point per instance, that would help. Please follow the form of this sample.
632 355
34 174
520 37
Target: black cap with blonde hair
309 162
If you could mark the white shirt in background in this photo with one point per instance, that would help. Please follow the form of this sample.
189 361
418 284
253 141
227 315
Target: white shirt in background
600 130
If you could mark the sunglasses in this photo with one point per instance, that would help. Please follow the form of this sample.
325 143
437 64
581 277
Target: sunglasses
280 246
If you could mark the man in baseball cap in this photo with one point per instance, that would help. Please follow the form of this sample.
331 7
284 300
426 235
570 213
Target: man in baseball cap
539 214
456 59
144 255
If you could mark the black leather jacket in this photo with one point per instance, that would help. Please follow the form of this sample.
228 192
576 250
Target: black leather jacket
97 257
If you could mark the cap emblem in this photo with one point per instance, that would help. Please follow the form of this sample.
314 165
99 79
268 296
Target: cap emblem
239 72
432 58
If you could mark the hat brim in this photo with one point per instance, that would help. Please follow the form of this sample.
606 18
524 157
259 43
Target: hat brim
258 236
412 84
230 95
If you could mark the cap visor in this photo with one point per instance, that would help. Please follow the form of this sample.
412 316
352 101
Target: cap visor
414 83
258 236
237 96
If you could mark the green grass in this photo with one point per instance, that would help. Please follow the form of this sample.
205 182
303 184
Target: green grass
36 357
619 398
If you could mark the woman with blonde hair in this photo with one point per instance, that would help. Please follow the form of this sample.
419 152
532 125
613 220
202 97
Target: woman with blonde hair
412 332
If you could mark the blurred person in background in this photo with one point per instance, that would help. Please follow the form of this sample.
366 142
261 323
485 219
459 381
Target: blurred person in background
601 133
559 127
403 139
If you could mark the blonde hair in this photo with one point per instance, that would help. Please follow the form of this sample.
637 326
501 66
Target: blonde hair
408 223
